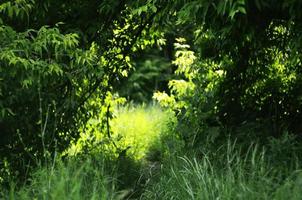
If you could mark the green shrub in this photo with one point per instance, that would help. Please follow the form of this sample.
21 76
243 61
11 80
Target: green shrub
58 64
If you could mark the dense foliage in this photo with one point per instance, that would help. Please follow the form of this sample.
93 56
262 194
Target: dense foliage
217 68
246 65
58 63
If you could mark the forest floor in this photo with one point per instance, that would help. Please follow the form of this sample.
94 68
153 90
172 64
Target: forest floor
156 164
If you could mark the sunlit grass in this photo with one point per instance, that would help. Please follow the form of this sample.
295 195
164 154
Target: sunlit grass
134 128
145 131
141 127
230 170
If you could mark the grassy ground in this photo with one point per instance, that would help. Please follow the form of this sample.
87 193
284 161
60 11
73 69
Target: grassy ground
228 173
156 166
74 179
145 130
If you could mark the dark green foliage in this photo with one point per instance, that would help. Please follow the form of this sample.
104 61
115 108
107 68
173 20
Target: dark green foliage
237 69
58 62
151 73
260 43
254 46
42 79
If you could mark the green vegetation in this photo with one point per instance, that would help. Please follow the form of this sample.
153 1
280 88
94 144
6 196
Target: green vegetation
134 129
74 180
228 172
143 129
123 99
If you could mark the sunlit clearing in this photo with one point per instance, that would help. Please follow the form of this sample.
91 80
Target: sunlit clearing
138 128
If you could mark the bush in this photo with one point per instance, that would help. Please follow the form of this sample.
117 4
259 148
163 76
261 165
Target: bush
44 88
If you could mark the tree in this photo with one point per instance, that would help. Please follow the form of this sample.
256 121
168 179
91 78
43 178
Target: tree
58 62
255 46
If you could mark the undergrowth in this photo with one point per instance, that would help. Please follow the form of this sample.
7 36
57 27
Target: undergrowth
147 131
72 179
157 166
229 172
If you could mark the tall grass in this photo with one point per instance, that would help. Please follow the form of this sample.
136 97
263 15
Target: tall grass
227 173
144 130
135 129
73 179
230 170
